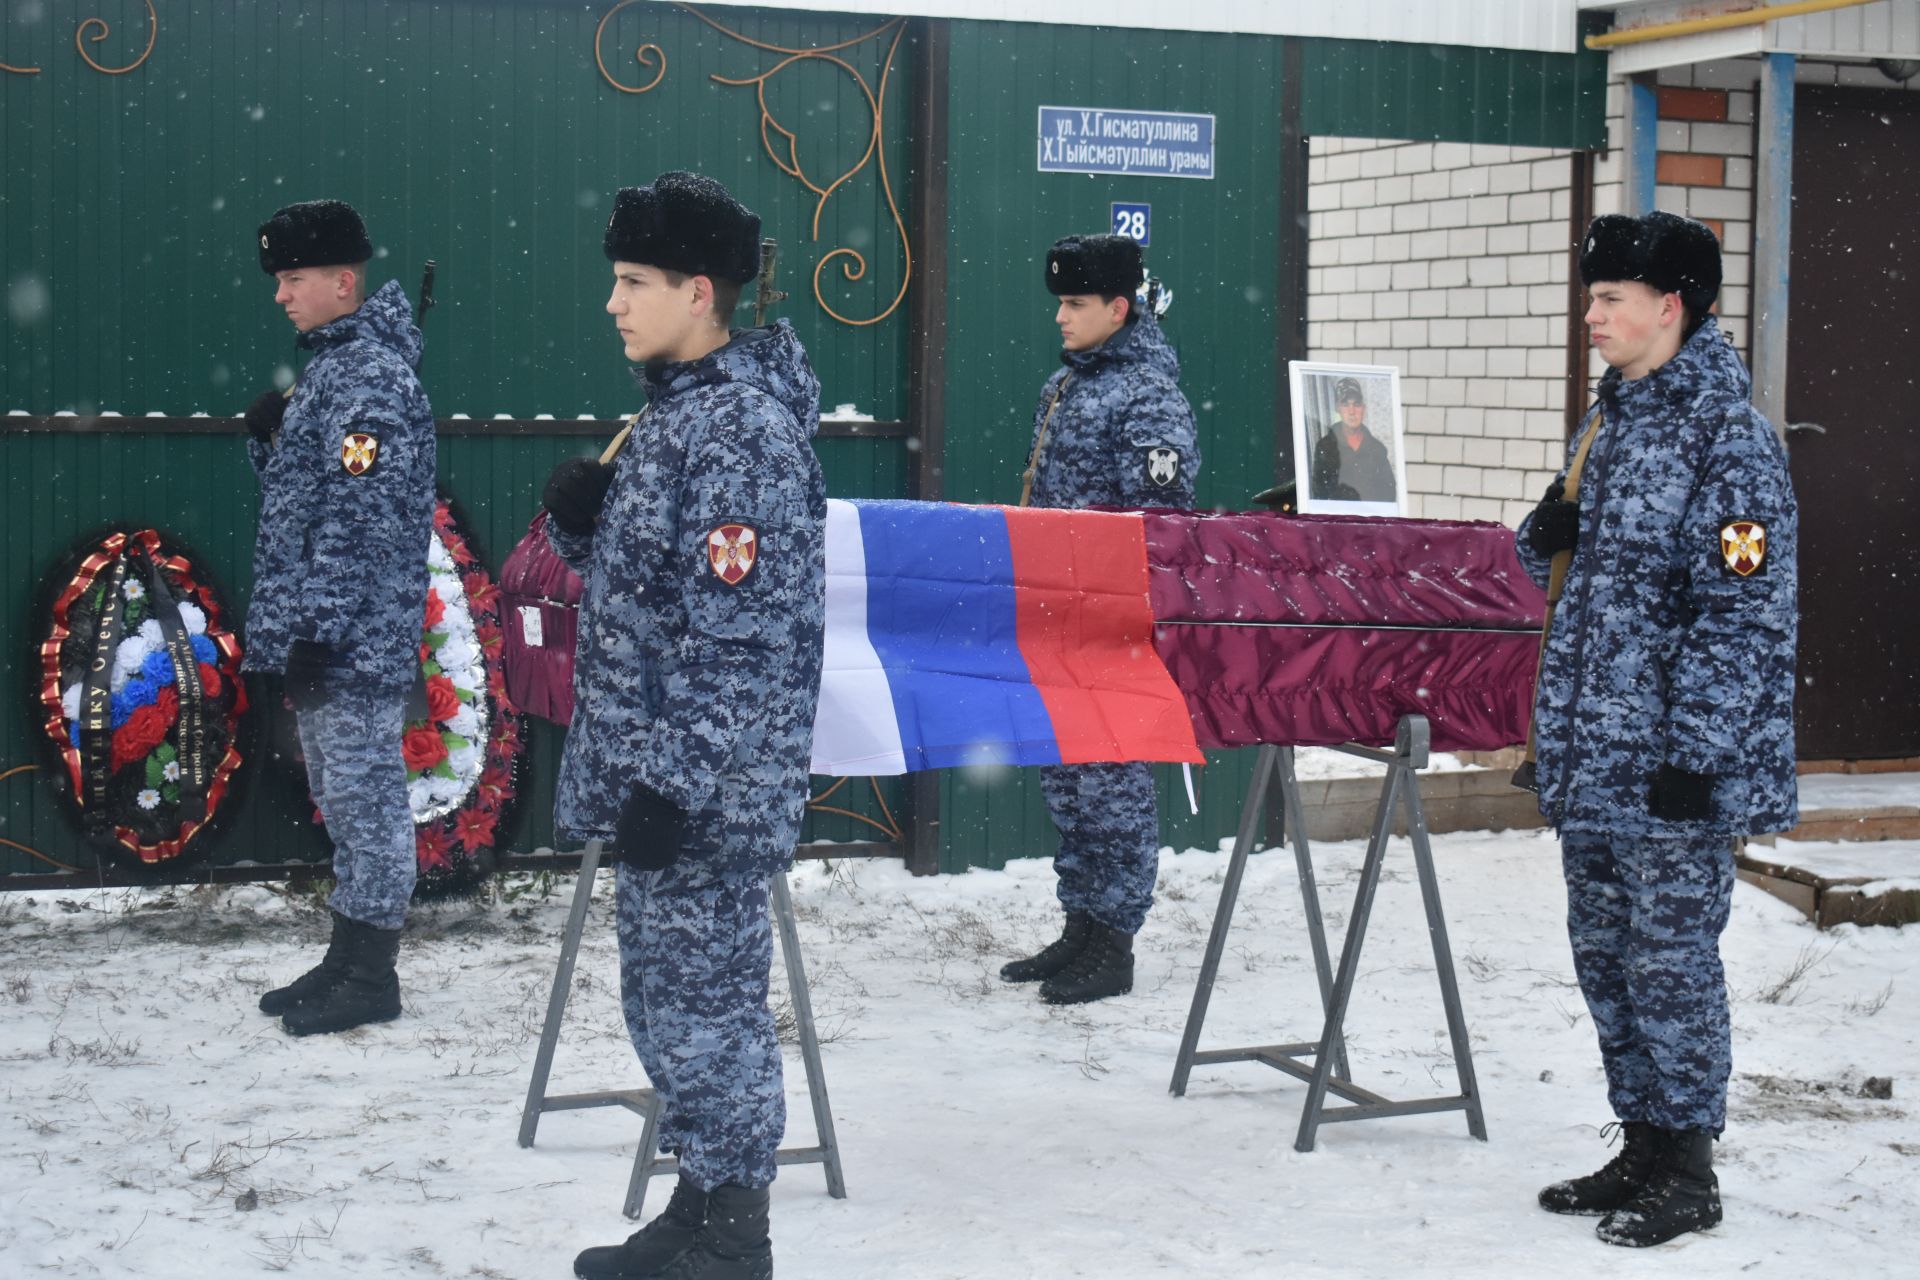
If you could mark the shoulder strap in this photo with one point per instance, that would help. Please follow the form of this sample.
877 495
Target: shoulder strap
619 441
1040 442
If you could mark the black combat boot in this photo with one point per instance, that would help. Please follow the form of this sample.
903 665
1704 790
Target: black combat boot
1615 1183
1103 968
652 1248
1056 955
1682 1195
369 991
734 1243
316 981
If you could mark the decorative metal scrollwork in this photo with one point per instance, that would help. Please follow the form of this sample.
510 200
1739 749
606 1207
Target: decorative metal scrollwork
852 263
79 42
153 33
890 828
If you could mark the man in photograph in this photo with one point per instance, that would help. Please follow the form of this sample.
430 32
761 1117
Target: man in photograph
1349 462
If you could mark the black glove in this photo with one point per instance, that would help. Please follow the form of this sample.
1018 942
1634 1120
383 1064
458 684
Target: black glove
1556 523
1679 795
575 492
310 665
647 837
264 414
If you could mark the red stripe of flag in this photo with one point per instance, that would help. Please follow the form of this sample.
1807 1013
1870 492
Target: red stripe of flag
1085 627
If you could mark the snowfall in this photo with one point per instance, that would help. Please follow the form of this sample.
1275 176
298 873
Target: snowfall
156 1125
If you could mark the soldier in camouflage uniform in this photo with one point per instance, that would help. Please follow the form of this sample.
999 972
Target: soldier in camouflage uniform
697 673
346 465
1664 717
1111 429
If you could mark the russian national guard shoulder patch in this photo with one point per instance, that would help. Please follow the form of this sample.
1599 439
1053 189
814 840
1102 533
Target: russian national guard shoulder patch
1743 547
732 551
359 451
1163 465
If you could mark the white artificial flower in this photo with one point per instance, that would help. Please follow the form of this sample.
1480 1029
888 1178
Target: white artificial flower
171 771
465 761
438 557
456 655
150 632
463 722
70 701
419 797
148 799
194 617
132 589
132 653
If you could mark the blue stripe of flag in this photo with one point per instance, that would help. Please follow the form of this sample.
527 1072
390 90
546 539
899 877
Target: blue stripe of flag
940 614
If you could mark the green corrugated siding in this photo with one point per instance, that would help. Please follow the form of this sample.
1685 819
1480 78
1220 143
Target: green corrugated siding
1372 89
1215 243
482 135
478 134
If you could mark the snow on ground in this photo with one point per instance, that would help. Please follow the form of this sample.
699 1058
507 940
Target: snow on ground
155 1125
1846 859
1859 790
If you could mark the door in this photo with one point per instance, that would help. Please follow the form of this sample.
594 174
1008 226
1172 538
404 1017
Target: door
1852 363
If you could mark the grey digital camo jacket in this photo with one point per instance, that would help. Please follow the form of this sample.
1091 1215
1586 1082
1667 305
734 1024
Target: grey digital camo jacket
346 502
1674 639
1121 435
697 669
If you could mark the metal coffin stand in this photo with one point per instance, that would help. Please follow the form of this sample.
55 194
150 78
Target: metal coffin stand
1328 1072
647 1161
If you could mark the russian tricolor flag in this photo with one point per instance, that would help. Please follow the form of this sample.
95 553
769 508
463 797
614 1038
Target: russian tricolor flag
962 635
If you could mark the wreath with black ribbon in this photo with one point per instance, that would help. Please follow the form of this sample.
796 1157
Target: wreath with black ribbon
141 696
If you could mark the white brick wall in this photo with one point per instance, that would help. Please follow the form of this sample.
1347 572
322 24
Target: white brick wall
1448 260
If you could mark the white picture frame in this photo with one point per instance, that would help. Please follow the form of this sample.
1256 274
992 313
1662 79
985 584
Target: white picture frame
1359 484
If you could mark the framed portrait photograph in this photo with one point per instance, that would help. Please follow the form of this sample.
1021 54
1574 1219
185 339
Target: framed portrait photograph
1349 442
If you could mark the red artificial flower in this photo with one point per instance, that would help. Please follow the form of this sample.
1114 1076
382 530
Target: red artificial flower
508 734
481 593
433 847
436 608
426 654
209 680
455 547
493 784
489 634
145 729
423 748
442 701
474 828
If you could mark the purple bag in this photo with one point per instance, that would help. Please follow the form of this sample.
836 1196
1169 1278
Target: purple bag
539 615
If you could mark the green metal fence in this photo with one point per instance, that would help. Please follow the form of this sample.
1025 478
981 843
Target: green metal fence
490 137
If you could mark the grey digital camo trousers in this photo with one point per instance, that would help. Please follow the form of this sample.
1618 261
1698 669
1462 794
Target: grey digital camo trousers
359 780
1108 818
1645 914
696 950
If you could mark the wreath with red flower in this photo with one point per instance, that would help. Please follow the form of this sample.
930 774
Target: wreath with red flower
462 758
141 695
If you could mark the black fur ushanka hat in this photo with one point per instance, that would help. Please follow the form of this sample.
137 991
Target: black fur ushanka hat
685 222
1108 265
1660 249
317 233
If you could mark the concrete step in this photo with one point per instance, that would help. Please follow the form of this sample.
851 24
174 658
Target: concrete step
1839 881
1858 806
